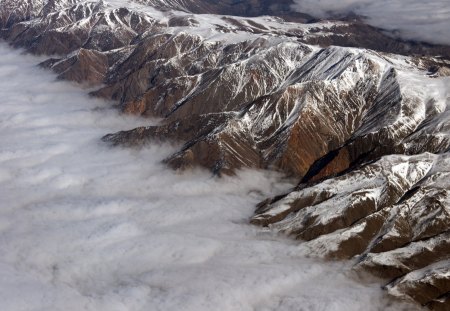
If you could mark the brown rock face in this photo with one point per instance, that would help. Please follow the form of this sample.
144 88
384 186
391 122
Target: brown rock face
364 131
87 66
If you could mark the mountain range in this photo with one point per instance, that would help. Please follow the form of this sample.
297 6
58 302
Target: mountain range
359 117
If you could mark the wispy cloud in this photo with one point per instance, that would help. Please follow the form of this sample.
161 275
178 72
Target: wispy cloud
427 21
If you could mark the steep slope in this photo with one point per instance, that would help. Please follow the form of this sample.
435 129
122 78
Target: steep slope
365 131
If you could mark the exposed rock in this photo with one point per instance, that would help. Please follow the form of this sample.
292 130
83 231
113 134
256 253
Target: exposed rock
393 216
87 66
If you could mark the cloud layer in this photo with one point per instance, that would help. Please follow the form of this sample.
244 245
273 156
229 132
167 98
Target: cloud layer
427 21
87 227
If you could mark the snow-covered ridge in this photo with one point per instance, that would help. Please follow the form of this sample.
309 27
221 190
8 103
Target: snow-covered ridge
210 26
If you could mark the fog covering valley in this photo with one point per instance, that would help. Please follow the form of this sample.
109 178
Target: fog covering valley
87 227
426 21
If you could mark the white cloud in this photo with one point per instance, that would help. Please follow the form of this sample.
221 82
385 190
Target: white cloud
87 227
411 19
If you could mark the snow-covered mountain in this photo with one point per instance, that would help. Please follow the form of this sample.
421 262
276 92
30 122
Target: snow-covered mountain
361 119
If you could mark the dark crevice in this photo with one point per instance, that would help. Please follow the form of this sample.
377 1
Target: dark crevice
317 167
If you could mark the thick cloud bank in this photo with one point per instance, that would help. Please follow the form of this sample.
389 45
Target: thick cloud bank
87 227
427 21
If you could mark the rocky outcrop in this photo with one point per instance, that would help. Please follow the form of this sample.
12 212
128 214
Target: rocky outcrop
391 216
366 132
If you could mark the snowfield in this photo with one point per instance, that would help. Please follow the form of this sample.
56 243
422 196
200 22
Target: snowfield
87 227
